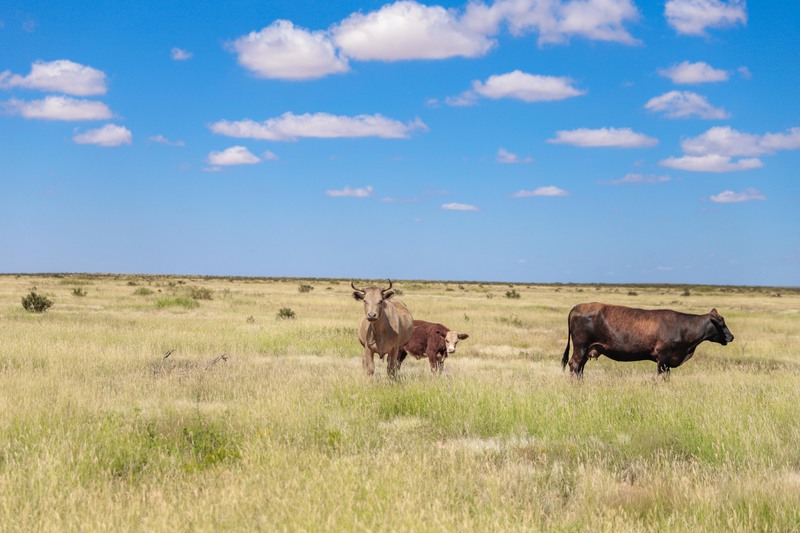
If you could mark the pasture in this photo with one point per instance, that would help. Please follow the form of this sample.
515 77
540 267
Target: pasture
98 431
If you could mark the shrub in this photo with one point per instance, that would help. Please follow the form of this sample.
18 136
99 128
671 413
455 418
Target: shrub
512 320
286 312
686 292
35 303
200 293
143 291
77 291
305 288
513 294
633 293
176 301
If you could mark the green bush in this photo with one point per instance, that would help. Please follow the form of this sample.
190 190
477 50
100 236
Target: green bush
513 294
286 312
200 293
177 301
77 291
143 291
305 288
35 303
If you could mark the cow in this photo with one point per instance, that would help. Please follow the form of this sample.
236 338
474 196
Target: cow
433 341
387 325
668 338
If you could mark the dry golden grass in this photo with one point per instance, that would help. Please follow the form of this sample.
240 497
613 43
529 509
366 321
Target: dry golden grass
99 432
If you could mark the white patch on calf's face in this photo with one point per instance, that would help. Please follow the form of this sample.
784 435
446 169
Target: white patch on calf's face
451 340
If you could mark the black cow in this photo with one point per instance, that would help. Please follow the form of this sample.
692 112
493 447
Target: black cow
625 334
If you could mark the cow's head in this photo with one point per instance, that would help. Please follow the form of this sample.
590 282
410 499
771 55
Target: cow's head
451 338
721 333
374 299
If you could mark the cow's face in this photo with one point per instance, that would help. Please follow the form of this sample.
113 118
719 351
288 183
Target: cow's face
452 338
374 299
721 334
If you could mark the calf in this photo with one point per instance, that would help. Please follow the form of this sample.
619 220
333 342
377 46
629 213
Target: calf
625 334
433 341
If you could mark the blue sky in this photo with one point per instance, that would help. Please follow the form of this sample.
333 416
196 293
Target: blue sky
606 141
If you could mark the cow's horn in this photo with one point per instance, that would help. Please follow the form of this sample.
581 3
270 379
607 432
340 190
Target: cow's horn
356 288
389 287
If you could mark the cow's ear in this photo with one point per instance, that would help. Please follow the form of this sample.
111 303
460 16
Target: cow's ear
441 333
388 295
462 336
359 296
714 312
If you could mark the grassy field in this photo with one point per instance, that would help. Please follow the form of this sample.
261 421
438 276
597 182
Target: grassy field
98 431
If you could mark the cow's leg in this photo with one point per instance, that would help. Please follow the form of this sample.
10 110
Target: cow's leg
579 357
440 366
369 360
391 363
663 370
401 357
432 361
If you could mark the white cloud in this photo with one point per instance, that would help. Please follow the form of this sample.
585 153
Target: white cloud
360 192
504 156
526 87
724 140
772 142
108 135
58 108
289 127
711 163
283 51
604 137
465 99
556 21
160 139
685 104
179 54
693 73
235 155
269 155
744 72
716 150
62 76
730 197
454 206
408 30
641 179
693 17
550 190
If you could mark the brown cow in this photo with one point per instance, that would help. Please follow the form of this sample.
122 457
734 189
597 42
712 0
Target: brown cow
385 328
433 341
625 334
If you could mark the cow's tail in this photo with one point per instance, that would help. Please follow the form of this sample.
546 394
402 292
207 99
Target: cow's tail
565 358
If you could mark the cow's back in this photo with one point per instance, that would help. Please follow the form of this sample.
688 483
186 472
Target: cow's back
421 337
401 320
620 327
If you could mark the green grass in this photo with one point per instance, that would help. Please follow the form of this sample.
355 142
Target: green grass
177 301
99 432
